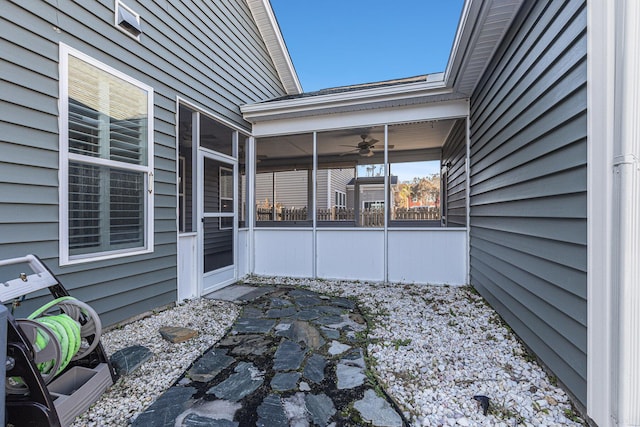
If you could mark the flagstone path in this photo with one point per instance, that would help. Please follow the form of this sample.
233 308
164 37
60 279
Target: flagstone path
293 358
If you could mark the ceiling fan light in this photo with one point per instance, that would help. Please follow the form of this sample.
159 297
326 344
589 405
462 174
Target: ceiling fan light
365 152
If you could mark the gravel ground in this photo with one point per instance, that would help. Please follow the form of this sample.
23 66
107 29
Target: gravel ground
131 394
432 347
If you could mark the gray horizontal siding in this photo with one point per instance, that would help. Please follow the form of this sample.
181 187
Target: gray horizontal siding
454 152
209 53
528 185
323 198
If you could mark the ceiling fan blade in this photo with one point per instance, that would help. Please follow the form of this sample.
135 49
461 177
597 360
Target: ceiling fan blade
352 146
372 141
355 150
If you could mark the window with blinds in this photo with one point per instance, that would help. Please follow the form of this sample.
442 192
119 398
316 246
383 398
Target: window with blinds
109 194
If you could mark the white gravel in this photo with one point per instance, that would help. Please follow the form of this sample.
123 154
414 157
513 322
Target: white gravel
131 394
433 348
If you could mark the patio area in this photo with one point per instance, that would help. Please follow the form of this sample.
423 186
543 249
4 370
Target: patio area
430 348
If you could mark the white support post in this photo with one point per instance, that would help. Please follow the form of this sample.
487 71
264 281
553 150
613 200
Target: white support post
387 202
626 212
600 137
251 200
313 207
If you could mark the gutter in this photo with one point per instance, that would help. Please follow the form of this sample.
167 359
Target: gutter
433 85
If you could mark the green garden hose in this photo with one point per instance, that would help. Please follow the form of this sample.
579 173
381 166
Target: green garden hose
65 329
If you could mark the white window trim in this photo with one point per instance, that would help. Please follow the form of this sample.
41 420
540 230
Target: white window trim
342 199
63 106
220 185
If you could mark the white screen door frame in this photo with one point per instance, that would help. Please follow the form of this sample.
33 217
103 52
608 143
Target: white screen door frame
213 276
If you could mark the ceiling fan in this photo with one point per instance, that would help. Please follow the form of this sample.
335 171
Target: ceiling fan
364 148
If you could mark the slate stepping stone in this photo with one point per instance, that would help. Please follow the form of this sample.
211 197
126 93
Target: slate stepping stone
338 348
377 411
210 365
308 301
330 333
304 386
314 368
320 407
331 321
349 376
330 310
252 313
288 357
354 358
246 380
343 302
209 412
296 410
283 381
176 334
163 412
129 359
307 314
271 413
275 313
302 293
243 345
252 326
194 420
257 293
280 302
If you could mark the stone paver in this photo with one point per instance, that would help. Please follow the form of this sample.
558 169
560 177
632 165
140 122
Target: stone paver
377 411
314 369
291 359
320 407
246 380
209 365
283 381
288 356
271 413
129 359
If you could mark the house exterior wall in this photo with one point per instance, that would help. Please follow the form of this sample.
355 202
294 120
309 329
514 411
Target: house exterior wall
454 152
322 189
339 180
291 188
528 185
209 53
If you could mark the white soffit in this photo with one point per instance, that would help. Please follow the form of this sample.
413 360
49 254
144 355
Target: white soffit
482 27
270 32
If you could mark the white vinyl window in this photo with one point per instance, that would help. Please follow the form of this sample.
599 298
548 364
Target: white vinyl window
106 167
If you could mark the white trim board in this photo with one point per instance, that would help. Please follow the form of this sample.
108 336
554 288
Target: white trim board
345 120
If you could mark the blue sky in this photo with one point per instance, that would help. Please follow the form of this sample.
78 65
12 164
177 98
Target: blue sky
343 42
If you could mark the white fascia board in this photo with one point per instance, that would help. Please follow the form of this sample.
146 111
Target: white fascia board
269 29
461 39
363 118
318 103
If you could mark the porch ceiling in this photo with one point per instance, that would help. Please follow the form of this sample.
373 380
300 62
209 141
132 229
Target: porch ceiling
335 145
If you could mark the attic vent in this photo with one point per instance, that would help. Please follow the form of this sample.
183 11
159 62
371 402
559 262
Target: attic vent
127 20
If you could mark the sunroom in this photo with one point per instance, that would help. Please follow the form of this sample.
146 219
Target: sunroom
364 182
